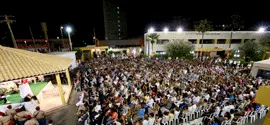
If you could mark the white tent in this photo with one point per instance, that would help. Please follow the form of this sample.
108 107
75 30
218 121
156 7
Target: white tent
260 65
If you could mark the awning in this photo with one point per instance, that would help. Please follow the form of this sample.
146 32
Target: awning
18 64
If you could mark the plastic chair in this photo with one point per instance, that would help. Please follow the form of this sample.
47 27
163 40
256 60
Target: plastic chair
239 121
199 121
252 116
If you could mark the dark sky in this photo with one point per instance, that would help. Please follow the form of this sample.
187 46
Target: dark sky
84 16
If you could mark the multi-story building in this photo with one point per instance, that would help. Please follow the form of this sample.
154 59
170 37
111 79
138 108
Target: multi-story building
115 24
214 43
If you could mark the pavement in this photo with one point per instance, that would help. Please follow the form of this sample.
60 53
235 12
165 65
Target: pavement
66 115
257 122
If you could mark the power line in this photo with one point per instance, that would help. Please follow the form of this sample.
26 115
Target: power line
9 21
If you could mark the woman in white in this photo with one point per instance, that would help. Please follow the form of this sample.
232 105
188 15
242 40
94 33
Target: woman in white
25 88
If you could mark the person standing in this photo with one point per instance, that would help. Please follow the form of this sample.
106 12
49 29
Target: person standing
40 116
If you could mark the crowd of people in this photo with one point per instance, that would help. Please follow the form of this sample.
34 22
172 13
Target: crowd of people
20 116
149 91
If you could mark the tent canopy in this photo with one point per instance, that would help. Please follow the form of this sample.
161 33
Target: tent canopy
263 63
17 64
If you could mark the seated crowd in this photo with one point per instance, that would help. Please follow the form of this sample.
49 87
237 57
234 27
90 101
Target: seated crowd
19 115
147 91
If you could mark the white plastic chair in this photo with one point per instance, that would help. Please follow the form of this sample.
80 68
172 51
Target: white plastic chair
239 121
185 118
199 121
252 116
198 112
262 112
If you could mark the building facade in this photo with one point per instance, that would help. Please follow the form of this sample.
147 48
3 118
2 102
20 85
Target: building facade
43 45
115 24
214 41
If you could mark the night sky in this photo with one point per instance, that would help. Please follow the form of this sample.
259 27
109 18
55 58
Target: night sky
84 16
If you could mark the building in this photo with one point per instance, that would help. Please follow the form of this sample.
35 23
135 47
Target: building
115 24
214 43
136 42
43 45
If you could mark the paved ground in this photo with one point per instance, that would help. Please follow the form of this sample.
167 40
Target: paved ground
66 115
257 122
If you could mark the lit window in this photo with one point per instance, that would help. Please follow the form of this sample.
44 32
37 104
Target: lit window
118 21
118 12
119 34
119 37
118 8
118 25
119 29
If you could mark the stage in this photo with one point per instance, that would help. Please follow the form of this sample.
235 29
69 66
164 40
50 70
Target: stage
16 98
47 94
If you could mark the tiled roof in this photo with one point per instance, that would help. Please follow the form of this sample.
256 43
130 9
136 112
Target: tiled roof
17 64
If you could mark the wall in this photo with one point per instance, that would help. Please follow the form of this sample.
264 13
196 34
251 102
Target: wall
213 35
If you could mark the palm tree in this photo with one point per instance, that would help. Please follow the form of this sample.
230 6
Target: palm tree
153 37
203 26
236 24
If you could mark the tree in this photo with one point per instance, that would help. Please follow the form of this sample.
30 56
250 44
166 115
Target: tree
251 50
203 26
236 24
180 49
153 37
265 42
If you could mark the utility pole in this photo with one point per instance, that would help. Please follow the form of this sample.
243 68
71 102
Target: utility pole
33 39
9 21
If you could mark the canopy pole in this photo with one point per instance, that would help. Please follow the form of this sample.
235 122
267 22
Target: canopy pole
68 77
60 88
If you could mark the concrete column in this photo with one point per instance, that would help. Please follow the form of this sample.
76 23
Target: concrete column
92 53
215 41
228 41
68 77
198 41
82 56
60 88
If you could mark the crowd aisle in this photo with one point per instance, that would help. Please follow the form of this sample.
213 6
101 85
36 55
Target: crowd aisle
145 91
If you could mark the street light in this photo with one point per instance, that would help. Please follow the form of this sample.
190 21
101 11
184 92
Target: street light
68 29
261 30
151 30
180 29
166 30
61 30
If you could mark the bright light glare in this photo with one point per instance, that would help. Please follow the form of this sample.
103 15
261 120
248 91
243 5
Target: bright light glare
68 29
61 27
151 30
166 30
261 30
180 29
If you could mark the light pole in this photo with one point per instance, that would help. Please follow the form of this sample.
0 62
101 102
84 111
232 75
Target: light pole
61 30
68 29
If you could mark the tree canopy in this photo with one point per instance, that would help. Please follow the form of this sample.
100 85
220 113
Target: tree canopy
203 26
237 23
180 49
251 50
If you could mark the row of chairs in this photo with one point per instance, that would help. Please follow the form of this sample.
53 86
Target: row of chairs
249 117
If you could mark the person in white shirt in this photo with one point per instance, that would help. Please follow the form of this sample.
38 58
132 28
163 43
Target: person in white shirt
145 120
97 108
